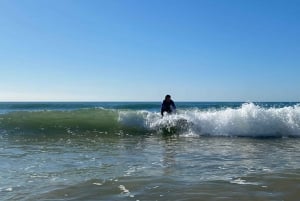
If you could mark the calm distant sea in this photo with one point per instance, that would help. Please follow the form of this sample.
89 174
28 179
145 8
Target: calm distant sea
127 151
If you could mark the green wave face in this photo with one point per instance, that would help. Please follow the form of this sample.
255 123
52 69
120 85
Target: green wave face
87 120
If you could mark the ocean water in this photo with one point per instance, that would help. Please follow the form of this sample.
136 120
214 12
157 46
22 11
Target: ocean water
127 151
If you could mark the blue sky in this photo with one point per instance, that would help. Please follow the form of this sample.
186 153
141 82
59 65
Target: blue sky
140 50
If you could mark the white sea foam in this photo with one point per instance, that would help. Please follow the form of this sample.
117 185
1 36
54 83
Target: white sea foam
123 189
243 182
97 184
248 120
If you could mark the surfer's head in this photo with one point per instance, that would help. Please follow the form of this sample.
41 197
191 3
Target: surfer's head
168 97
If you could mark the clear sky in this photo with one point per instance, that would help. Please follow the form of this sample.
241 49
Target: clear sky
140 50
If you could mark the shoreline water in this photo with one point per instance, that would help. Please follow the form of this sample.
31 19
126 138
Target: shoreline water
149 168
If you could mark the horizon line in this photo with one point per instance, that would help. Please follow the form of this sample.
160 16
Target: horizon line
95 101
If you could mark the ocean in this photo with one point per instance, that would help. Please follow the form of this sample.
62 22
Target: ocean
127 151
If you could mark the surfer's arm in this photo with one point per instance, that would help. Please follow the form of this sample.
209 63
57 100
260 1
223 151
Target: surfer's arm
162 109
173 105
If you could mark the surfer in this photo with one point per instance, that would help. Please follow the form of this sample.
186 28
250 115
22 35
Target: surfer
168 105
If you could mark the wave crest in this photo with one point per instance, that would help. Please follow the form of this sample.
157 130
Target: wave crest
248 120
251 120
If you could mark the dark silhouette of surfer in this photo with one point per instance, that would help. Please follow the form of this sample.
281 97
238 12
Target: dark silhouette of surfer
168 105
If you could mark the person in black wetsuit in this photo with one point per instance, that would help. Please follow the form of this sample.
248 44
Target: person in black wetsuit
168 105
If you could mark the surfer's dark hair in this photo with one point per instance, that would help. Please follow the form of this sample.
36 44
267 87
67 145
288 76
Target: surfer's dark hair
167 96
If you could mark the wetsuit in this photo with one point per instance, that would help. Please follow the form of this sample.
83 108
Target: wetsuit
167 107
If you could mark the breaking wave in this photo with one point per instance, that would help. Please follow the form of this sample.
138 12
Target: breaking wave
249 120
